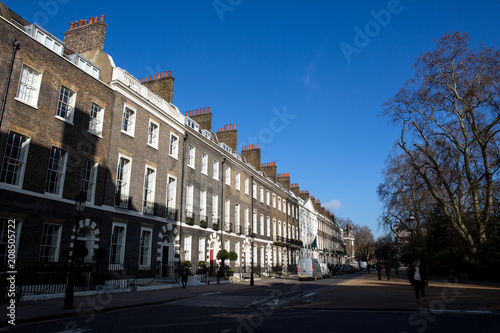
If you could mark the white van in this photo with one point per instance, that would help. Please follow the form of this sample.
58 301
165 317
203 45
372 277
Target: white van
324 270
309 268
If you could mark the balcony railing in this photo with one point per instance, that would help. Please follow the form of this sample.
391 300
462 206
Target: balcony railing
171 214
228 227
203 221
121 200
238 229
190 218
148 207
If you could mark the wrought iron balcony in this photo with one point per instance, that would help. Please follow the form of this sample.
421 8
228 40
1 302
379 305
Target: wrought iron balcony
121 200
148 207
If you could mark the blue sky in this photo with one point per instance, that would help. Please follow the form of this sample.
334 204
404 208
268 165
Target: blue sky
305 81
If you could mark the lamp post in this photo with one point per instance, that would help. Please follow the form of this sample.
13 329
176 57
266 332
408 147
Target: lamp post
252 239
411 224
69 296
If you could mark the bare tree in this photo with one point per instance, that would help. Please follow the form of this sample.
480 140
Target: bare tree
449 117
364 242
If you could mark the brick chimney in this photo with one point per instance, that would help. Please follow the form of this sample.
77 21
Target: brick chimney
229 135
86 35
304 195
161 84
295 189
284 180
270 169
251 153
202 116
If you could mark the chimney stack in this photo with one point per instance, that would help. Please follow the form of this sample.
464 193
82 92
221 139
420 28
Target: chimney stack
161 84
86 35
295 189
284 180
251 153
229 135
304 195
202 116
270 169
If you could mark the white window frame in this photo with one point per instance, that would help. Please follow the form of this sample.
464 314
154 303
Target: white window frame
145 250
247 186
237 221
215 208
96 119
268 225
215 172
202 250
28 89
261 194
261 224
268 198
153 133
89 179
191 156
237 249
246 217
10 163
228 175
279 203
274 200
173 147
117 265
148 194
188 243
131 120
54 246
227 212
237 180
204 163
124 185
203 203
66 104
254 222
254 190
60 172
189 198
171 192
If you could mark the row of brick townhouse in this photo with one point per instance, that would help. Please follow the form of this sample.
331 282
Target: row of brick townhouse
162 188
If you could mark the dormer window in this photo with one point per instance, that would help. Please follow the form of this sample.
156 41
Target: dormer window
45 38
85 65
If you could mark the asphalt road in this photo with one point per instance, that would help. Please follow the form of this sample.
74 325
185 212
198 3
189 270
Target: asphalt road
266 309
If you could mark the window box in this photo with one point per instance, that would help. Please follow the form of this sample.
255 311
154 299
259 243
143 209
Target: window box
203 224
215 226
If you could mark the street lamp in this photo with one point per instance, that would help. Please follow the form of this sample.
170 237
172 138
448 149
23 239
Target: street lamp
252 239
69 296
411 224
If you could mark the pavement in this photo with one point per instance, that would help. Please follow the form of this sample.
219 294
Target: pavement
363 292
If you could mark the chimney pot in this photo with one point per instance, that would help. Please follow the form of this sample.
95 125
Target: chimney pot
96 19
204 110
209 109
84 22
150 78
71 25
81 23
102 18
158 75
169 73
91 20
142 80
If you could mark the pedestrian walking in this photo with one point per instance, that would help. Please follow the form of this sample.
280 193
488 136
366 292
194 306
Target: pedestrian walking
184 276
379 270
418 279
388 269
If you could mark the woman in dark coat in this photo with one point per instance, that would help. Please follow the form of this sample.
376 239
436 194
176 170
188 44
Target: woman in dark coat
418 279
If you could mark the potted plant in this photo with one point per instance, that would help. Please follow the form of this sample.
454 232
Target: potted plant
203 224
215 226
189 220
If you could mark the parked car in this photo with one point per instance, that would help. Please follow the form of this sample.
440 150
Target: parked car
324 270
337 270
309 268
363 265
